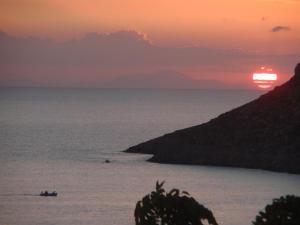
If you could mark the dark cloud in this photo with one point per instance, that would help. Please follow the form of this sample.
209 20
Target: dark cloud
280 28
97 58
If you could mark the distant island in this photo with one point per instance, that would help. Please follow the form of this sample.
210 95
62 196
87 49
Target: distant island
262 134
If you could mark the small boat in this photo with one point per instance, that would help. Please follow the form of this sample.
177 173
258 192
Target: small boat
48 194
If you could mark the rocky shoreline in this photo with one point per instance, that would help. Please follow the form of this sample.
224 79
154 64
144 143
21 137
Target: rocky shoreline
262 134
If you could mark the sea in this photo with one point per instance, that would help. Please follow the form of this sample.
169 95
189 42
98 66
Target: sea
58 139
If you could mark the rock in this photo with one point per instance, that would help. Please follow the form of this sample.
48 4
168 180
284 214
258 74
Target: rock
262 134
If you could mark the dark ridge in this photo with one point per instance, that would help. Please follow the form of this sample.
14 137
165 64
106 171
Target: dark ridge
262 134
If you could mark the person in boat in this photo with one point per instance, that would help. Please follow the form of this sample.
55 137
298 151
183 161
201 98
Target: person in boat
44 193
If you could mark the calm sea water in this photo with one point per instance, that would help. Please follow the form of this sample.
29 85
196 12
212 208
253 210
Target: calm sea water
59 138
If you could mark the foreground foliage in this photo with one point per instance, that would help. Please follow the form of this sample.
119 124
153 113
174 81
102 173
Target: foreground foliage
283 211
171 208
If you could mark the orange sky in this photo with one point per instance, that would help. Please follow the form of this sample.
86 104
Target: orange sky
245 24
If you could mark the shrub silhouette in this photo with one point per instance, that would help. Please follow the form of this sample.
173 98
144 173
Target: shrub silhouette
172 208
283 211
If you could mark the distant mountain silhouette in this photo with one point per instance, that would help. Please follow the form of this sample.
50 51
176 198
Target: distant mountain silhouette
263 134
166 79
93 59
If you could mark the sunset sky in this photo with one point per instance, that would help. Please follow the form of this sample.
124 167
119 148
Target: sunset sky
265 27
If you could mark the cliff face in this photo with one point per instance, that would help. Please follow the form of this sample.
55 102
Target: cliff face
263 134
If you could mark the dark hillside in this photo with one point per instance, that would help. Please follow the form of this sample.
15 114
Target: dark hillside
263 134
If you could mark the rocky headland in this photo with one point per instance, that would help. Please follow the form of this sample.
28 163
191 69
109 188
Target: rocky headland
262 134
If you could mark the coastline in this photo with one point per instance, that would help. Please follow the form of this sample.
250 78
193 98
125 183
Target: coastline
261 134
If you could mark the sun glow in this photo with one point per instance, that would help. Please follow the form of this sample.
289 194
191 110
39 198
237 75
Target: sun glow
264 78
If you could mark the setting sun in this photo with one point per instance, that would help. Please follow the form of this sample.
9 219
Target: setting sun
264 78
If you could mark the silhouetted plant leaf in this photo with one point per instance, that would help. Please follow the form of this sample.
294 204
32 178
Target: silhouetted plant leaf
282 211
172 208
185 192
